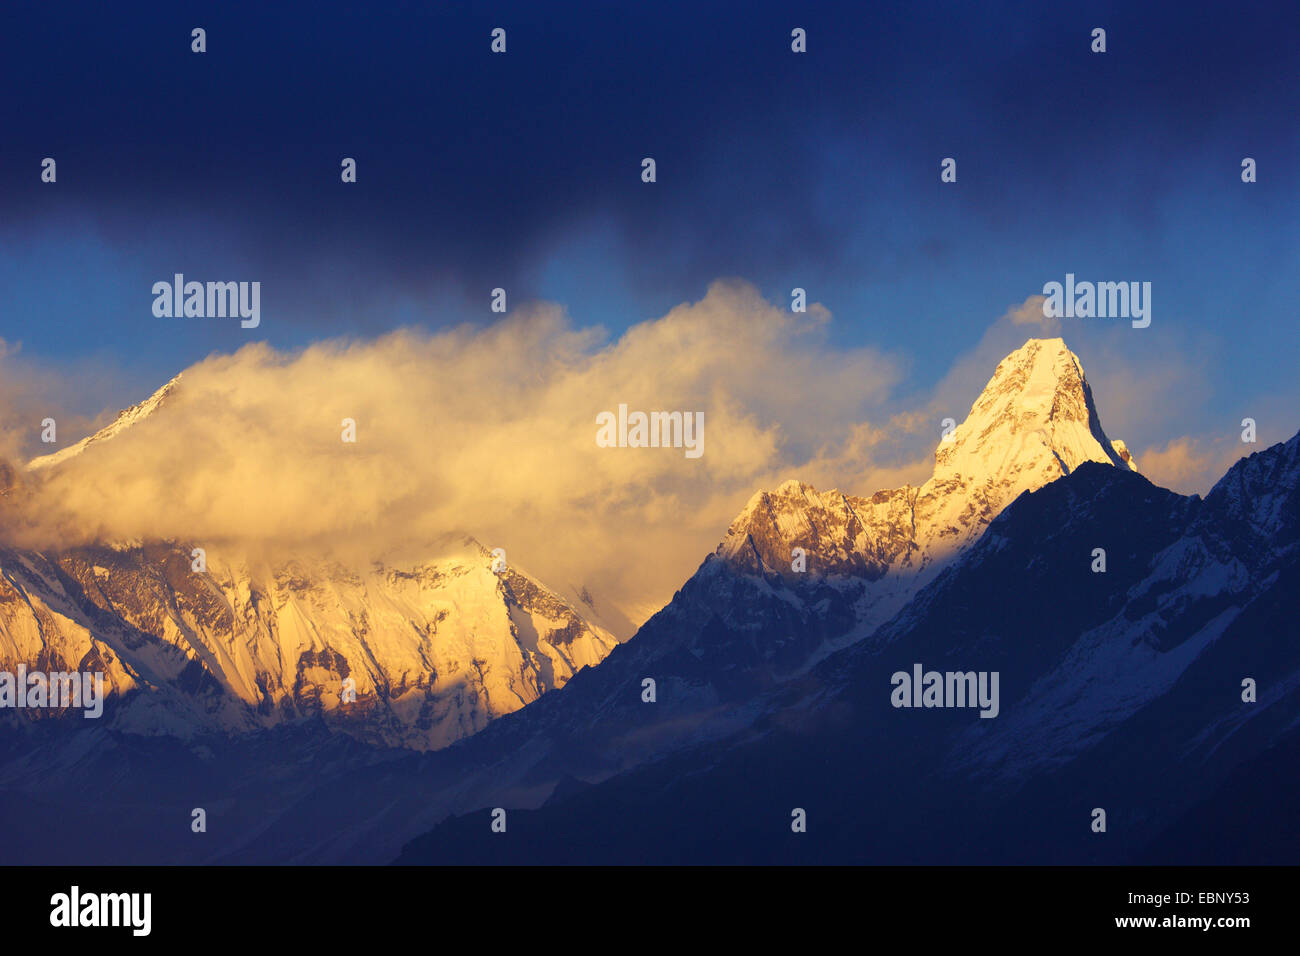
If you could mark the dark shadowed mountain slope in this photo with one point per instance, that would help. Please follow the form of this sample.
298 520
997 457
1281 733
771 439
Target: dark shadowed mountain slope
1119 691
773 685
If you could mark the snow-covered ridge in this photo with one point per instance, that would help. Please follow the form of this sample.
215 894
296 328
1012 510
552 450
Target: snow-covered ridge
124 420
433 650
1035 421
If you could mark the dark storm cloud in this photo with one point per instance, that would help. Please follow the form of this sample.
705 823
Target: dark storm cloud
472 166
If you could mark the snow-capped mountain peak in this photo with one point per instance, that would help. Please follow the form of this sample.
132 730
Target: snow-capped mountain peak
1036 414
124 420
427 648
824 523
1034 422
433 649
844 564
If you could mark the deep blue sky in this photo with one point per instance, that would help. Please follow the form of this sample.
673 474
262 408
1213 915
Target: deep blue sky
523 170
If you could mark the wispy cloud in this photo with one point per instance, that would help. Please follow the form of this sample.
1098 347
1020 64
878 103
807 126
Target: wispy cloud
1030 312
487 430
1192 464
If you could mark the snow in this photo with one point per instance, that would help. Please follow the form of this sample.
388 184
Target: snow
436 650
1100 682
124 420
1034 422
440 647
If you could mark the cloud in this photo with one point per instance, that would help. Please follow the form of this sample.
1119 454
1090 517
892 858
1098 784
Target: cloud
954 394
31 392
1192 464
490 431
1030 312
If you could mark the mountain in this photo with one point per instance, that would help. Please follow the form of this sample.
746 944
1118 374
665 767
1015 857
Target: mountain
434 648
440 647
746 623
1034 422
1120 690
120 423
760 688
